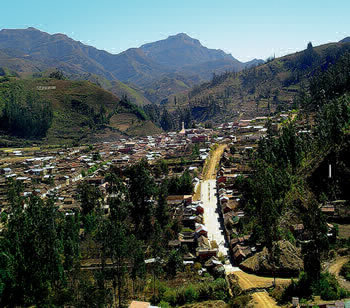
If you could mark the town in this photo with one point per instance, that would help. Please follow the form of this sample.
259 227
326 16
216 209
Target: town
216 158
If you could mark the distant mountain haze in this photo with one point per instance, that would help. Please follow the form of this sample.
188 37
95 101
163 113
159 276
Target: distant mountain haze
179 53
180 50
345 40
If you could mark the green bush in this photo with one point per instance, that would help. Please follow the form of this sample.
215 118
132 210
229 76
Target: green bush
240 301
163 304
170 297
328 288
191 294
216 290
345 271
204 291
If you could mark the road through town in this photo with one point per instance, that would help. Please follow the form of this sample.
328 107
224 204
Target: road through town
216 232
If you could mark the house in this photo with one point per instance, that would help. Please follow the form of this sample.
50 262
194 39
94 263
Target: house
199 209
96 180
5 171
241 240
240 253
189 257
219 271
224 200
177 199
205 254
201 230
203 243
328 210
212 262
229 206
38 171
188 239
199 138
189 221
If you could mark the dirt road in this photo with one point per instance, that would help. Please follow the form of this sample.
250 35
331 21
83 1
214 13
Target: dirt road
260 299
215 155
248 281
335 268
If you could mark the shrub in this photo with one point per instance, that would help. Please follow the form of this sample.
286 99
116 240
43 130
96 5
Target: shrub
170 297
277 293
328 287
216 290
163 304
191 295
240 301
300 288
197 266
345 271
204 291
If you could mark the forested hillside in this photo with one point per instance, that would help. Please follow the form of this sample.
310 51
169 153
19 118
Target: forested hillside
291 179
259 90
63 111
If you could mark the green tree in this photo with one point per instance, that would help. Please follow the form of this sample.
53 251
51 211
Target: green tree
174 263
89 196
162 210
315 225
115 246
142 190
57 75
25 113
33 251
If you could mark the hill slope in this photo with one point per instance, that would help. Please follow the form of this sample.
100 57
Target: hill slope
259 90
31 50
77 107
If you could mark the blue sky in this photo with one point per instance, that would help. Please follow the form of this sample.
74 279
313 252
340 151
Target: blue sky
246 29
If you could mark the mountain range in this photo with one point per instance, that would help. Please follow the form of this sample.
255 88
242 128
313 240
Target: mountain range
31 50
261 90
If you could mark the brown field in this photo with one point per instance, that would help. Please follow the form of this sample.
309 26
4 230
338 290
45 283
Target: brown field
344 231
207 304
260 299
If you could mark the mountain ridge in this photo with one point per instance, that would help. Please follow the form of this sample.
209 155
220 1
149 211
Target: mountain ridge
139 66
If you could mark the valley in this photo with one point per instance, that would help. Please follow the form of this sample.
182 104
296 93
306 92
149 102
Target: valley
172 175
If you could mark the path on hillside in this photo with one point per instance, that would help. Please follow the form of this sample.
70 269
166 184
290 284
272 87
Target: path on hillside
335 267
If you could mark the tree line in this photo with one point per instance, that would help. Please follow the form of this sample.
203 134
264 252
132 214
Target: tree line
25 114
283 166
42 249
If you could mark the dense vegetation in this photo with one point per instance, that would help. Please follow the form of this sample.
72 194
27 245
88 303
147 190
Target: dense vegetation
43 250
68 112
345 271
25 113
169 121
283 180
181 185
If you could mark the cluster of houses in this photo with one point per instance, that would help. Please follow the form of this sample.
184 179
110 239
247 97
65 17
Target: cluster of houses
244 136
57 171
193 237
